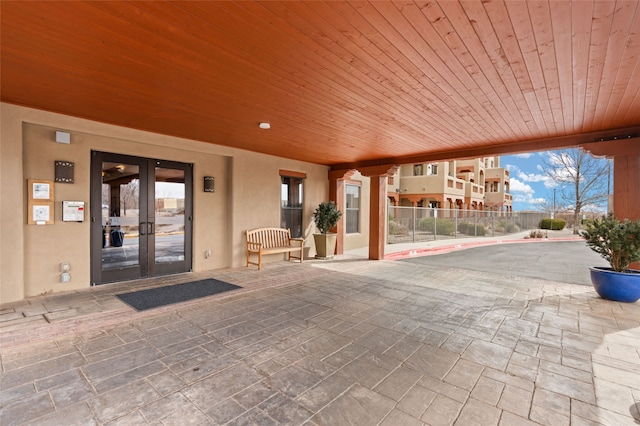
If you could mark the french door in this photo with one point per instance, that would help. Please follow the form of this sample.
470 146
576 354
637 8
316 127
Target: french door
141 217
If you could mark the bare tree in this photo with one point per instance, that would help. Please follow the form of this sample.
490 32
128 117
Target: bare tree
545 206
129 194
581 178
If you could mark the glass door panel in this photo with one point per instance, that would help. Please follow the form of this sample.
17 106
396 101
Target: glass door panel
120 215
118 193
169 215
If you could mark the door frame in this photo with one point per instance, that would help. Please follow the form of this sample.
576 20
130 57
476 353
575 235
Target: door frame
146 218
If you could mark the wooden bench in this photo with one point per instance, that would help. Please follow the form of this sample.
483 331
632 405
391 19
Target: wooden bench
272 240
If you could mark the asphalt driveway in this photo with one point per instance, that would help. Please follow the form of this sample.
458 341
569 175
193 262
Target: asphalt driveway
563 261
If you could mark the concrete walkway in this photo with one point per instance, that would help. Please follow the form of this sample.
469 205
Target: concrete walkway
341 342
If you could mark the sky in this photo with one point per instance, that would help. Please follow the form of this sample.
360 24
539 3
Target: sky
529 185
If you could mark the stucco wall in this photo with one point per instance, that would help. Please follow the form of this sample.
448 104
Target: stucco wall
247 196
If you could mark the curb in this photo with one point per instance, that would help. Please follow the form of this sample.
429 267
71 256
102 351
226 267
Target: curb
462 246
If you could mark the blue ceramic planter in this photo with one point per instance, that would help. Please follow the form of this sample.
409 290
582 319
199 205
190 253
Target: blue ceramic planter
617 286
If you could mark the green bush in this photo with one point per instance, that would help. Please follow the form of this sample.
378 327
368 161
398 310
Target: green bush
552 224
426 224
463 227
468 228
617 241
397 229
512 228
443 226
326 216
507 226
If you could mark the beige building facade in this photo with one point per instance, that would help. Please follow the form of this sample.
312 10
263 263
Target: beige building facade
247 194
478 184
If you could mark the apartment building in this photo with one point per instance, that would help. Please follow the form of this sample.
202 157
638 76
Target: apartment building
478 184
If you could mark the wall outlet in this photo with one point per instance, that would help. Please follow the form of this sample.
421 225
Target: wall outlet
65 277
207 254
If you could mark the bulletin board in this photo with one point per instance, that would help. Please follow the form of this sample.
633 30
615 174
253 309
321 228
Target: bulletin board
40 203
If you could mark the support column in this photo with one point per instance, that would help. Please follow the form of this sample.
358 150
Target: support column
377 205
377 216
626 175
626 186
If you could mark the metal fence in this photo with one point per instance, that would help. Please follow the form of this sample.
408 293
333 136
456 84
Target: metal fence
415 224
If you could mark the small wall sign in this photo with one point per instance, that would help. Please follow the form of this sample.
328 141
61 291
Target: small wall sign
209 184
64 171
73 211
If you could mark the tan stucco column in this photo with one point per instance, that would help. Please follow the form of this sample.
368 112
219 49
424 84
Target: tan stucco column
377 216
377 212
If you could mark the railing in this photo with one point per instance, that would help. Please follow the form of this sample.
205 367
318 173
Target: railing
414 224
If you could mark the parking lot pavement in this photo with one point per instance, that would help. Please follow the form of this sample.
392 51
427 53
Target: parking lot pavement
563 261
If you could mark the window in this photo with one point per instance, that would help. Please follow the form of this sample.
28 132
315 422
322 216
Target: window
352 209
492 187
291 204
432 169
417 169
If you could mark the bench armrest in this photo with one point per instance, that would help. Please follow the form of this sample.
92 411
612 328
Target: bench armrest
253 245
299 240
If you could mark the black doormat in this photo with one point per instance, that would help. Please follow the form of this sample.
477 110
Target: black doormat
161 296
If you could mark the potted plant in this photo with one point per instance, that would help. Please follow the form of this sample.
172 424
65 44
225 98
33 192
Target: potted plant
326 217
619 243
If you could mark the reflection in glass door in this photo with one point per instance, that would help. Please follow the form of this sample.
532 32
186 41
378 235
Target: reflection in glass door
169 217
144 225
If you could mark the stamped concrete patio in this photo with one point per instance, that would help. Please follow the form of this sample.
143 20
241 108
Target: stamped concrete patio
342 342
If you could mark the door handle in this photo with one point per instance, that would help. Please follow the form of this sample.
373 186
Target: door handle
147 228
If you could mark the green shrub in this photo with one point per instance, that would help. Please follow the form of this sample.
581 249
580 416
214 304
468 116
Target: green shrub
507 226
471 229
463 227
512 228
443 226
426 224
552 224
326 216
397 229
617 241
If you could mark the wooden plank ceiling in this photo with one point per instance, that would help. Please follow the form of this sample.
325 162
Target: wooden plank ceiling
342 83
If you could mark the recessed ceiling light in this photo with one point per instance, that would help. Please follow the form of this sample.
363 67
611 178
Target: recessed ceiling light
265 125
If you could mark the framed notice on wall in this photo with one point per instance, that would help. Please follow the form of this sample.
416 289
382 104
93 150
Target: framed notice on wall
40 202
